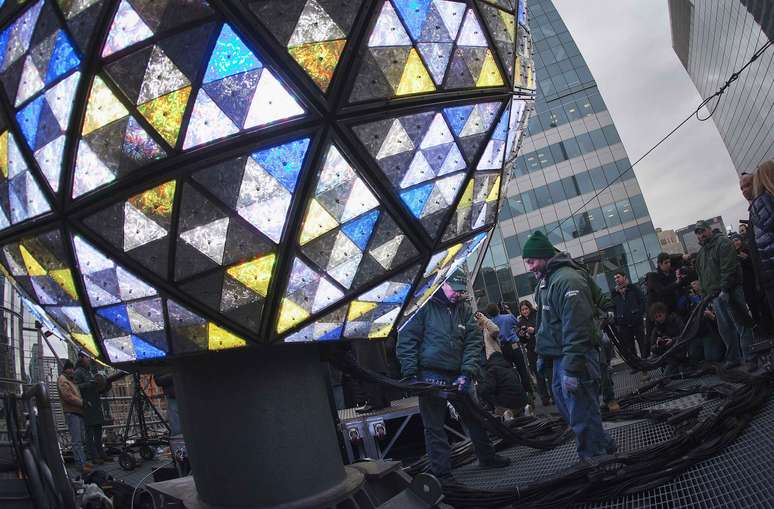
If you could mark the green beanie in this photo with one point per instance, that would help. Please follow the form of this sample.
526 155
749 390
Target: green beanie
538 246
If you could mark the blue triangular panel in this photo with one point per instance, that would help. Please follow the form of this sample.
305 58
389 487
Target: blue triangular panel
284 161
359 231
230 56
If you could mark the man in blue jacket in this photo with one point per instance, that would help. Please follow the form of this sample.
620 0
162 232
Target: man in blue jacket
442 344
565 335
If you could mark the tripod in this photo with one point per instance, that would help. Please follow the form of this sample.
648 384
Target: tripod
141 439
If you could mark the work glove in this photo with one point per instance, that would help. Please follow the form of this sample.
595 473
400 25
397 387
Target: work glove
461 382
570 383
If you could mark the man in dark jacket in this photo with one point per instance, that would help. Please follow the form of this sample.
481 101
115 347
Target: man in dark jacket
565 334
442 345
665 285
667 328
629 311
720 274
91 388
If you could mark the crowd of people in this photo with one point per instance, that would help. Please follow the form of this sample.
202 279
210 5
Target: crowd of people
557 346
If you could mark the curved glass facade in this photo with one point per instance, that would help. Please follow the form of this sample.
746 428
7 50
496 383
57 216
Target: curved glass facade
570 152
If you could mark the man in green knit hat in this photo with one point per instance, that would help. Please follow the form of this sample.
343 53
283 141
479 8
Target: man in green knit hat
566 338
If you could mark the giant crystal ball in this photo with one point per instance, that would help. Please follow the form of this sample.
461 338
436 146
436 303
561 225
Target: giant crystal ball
180 177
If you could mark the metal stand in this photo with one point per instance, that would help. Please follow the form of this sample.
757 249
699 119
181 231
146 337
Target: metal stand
141 439
258 428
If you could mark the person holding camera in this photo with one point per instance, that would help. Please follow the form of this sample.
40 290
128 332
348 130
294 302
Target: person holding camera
667 328
511 345
92 385
526 333
441 345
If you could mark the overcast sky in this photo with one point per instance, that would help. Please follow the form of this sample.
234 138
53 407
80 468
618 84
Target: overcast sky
628 46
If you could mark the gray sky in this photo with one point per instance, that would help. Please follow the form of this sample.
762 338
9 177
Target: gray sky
628 46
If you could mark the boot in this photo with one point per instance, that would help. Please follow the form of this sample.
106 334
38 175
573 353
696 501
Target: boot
495 461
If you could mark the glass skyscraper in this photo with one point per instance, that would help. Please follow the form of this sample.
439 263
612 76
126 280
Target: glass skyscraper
715 39
571 151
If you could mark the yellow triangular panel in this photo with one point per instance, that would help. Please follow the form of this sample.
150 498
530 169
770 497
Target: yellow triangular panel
490 74
467 197
221 339
450 255
415 78
317 222
510 23
87 342
103 107
358 308
290 314
4 153
34 268
495 192
156 203
319 60
165 113
64 278
380 331
255 274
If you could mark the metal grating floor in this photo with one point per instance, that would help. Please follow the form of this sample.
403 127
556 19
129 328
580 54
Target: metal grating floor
740 476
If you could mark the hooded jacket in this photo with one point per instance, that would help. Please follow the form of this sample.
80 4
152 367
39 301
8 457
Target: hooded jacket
566 311
762 216
717 265
441 336
500 385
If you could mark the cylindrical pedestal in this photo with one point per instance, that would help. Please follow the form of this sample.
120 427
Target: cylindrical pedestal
258 426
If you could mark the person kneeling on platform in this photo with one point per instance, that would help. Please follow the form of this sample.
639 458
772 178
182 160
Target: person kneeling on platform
667 327
565 335
441 345
499 386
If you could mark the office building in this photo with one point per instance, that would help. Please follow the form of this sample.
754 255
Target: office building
570 153
713 39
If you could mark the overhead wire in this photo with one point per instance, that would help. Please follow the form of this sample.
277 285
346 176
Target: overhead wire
734 76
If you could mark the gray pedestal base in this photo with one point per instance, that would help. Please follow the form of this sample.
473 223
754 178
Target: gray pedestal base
258 427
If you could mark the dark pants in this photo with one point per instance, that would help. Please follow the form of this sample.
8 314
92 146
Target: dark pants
580 408
433 412
605 380
514 355
629 334
543 388
93 441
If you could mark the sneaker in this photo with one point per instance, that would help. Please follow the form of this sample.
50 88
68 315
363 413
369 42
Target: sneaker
495 461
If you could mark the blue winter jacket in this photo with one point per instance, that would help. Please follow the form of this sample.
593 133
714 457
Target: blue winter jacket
762 216
441 336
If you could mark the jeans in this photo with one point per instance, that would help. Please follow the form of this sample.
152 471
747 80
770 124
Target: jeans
580 408
173 416
433 412
94 449
735 335
76 429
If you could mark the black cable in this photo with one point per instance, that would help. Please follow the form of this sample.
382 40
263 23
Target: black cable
706 101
